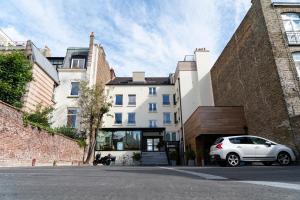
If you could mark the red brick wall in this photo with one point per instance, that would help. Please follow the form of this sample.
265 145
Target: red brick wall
19 145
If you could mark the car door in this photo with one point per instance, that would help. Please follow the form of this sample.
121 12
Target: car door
263 151
244 146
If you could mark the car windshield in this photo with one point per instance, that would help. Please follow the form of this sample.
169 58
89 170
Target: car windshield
219 140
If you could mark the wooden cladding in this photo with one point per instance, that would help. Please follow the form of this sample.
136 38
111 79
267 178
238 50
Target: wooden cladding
215 120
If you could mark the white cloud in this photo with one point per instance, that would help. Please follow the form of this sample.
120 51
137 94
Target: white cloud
14 34
137 35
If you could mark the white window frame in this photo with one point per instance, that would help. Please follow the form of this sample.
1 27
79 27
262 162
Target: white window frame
76 115
74 95
152 123
152 107
78 59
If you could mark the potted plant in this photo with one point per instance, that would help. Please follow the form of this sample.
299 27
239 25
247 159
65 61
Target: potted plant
190 156
161 144
136 158
173 157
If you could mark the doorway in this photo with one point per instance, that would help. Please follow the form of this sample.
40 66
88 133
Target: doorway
150 144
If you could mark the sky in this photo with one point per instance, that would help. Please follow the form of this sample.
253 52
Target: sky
137 35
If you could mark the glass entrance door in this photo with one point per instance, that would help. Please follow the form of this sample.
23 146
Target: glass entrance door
152 144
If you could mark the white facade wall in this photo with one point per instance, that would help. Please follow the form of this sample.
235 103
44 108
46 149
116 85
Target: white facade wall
204 87
142 114
63 99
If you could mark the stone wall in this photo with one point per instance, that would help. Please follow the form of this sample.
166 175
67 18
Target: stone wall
19 145
247 74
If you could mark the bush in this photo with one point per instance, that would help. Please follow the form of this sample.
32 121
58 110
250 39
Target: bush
67 131
136 156
174 155
15 73
41 116
190 155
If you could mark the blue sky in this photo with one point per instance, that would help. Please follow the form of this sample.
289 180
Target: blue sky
143 35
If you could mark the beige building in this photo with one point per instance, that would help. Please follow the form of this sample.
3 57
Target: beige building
45 79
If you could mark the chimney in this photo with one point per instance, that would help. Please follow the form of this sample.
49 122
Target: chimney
138 76
112 74
46 51
92 37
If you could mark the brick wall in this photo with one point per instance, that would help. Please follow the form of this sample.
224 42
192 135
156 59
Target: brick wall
249 73
19 145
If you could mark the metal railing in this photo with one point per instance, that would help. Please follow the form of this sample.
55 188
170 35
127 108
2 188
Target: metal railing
293 37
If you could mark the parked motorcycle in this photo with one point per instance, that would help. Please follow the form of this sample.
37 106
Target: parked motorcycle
106 160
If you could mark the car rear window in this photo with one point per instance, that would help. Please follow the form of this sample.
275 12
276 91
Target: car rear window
241 140
219 140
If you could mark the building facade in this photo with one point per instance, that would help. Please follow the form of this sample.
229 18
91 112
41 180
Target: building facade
80 64
142 116
259 70
45 78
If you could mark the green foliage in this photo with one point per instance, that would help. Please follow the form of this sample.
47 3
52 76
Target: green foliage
67 131
81 142
190 155
136 156
15 73
174 155
41 116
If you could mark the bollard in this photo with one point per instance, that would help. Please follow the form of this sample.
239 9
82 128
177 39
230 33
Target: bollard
33 162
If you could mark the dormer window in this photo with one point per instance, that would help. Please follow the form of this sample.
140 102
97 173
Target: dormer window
291 22
78 63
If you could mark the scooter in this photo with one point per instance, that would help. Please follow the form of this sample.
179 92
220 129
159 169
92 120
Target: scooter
106 160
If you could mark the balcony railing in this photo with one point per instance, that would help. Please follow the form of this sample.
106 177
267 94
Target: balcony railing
15 45
293 37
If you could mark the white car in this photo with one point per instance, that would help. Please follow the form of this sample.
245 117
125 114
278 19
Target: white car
232 150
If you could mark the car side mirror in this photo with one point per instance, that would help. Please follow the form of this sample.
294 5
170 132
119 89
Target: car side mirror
268 143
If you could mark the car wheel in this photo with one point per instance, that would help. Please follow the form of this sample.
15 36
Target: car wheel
233 160
284 158
222 163
267 163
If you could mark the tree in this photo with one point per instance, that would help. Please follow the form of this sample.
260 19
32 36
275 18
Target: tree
15 73
93 106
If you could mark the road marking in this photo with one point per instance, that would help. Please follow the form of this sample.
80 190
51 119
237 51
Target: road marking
274 184
213 177
202 175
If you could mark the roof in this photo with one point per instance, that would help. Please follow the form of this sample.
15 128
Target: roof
296 4
44 63
148 81
74 51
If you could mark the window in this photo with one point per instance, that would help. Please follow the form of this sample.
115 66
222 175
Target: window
119 100
132 99
118 140
296 57
256 140
174 99
175 118
133 140
167 118
78 63
152 123
171 136
131 118
241 140
72 117
166 99
118 118
291 22
152 107
152 90
104 141
74 88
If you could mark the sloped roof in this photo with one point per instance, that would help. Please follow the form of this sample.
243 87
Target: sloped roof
148 81
44 63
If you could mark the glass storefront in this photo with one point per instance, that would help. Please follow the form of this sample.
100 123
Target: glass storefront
118 140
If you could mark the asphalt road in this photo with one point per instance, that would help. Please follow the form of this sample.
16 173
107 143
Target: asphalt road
84 183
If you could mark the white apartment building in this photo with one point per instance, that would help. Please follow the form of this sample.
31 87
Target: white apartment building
142 115
79 64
